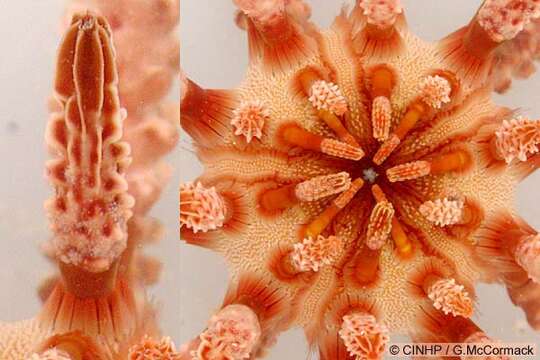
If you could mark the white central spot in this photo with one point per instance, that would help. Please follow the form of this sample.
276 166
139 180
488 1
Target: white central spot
370 175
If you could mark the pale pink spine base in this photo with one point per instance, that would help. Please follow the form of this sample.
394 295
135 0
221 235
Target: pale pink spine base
322 186
232 334
435 91
442 212
450 298
363 336
327 96
201 208
381 117
249 119
150 349
311 254
518 139
527 255
382 14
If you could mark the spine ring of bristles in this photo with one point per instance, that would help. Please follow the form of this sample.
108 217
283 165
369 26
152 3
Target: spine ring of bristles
363 337
232 333
327 96
201 208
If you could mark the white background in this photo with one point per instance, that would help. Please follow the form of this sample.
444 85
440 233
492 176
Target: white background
29 32
214 55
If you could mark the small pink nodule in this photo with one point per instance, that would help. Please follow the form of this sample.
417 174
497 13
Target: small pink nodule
232 333
151 349
201 208
262 11
311 254
442 212
504 19
381 13
450 298
363 336
517 138
435 91
249 119
327 96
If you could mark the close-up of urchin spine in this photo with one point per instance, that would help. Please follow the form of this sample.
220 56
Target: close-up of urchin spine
111 124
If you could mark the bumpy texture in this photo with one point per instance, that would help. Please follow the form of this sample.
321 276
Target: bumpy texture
18 339
327 96
504 19
116 65
363 337
435 91
231 334
311 254
203 208
450 297
441 187
442 212
249 120
518 139
381 13
150 349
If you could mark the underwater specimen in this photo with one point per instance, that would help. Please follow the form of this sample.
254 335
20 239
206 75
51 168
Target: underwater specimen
109 129
360 181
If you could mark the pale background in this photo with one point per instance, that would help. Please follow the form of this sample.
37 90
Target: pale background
214 54
30 35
